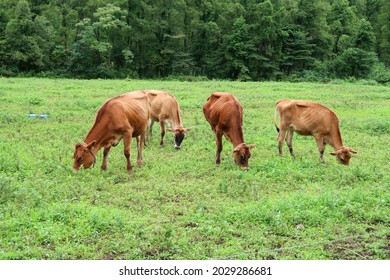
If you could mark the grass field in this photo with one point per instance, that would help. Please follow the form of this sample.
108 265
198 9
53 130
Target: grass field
179 205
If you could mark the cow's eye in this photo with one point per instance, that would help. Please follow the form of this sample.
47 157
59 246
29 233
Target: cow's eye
242 158
79 159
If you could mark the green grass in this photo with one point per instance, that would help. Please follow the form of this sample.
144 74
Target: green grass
179 205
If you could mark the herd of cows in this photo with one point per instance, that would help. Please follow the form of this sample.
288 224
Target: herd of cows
132 115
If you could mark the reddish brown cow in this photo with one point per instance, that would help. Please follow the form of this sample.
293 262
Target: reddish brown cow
165 109
224 113
308 118
123 117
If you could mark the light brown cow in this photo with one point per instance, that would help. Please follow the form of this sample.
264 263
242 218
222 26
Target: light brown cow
122 117
224 113
308 118
164 108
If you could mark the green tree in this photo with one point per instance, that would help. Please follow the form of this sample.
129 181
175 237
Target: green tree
234 39
297 50
312 17
3 51
101 45
266 33
63 17
111 28
86 60
237 48
384 32
354 62
205 48
45 40
342 20
23 52
364 37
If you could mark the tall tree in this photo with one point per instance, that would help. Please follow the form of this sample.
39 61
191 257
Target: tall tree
3 50
342 20
312 17
110 28
384 32
297 50
21 40
364 36
100 47
86 59
237 48
235 39
266 33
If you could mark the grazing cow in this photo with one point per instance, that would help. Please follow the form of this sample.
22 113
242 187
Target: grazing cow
308 118
122 117
224 113
165 109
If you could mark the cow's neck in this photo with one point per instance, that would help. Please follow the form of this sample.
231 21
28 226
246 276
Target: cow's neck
97 133
237 136
335 139
176 120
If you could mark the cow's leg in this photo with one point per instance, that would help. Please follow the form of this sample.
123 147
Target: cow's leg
162 130
289 136
140 146
127 137
281 137
320 145
105 156
218 138
149 130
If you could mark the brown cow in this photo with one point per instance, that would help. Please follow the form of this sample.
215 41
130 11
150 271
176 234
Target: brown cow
224 113
165 109
308 118
122 117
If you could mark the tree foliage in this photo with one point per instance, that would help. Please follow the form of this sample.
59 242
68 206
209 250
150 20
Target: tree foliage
220 39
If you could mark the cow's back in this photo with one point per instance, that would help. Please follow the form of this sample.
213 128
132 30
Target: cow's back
131 108
306 117
162 103
222 109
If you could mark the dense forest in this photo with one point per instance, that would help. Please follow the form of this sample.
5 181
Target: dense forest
215 39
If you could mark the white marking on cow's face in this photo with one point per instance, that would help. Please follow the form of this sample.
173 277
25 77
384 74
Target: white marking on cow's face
179 135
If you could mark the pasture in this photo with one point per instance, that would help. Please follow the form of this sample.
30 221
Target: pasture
179 205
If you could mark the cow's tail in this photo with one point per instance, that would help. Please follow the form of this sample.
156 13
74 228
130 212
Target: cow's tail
275 117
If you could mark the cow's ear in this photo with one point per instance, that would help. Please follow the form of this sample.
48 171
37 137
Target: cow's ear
251 146
334 153
91 145
171 129
78 145
352 151
187 129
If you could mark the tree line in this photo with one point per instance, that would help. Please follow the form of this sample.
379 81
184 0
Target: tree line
215 39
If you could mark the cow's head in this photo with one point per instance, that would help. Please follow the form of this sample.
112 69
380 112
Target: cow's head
343 155
241 155
83 155
179 134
